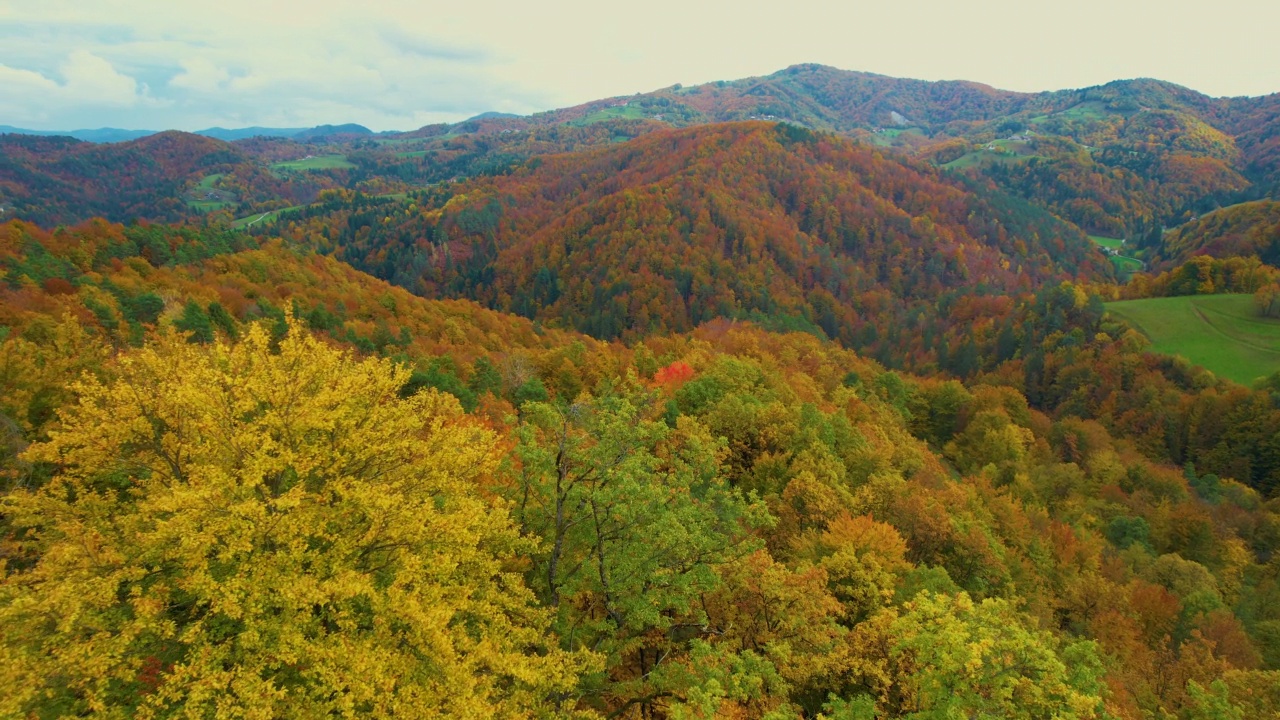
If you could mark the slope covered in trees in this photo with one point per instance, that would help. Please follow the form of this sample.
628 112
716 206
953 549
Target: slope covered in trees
904 539
728 521
58 180
1246 229
675 228
1115 159
1120 160
828 98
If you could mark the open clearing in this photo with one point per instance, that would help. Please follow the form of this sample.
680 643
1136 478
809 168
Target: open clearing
624 112
1124 265
1004 151
207 206
204 198
262 217
206 182
317 162
1221 333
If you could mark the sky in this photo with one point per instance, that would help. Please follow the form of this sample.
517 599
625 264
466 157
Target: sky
402 64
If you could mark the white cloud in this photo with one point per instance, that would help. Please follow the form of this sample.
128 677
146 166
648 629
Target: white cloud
200 74
22 83
91 80
88 83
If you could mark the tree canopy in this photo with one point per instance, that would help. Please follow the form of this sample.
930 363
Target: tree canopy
249 531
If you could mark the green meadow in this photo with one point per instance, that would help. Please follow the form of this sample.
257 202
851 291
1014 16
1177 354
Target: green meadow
1124 265
318 162
1221 333
625 112
1003 151
199 198
256 218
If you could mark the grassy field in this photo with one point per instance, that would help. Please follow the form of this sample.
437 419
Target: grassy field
888 136
318 162
1221 333
204 198
1124 265
260 218
206 182
257 218
1089 110
984 158
1001 151
207 206
626 112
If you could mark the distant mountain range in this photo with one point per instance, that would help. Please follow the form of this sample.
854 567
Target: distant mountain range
1121 161
99 135
114 135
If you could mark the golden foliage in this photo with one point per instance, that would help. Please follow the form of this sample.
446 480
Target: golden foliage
236 531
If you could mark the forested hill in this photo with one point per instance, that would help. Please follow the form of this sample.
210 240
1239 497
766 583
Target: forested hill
166 177
58 179
828 98
732 220
1117 159
1246 229
411 506
1121 160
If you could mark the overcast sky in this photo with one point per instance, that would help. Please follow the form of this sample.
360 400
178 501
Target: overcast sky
401 64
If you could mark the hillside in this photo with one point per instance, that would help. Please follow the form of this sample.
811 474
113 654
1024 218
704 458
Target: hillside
1115 159
97 272
678 227
1119 160
829 98
55 180
1251 228
165 177
825 525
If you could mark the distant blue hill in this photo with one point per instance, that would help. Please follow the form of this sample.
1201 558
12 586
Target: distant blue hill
114 135
491 115
323 131
243 133
100 135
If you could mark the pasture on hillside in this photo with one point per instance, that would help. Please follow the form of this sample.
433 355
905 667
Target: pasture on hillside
316 162
204 197
1221 333
256 218
1124 265
997 151
618 112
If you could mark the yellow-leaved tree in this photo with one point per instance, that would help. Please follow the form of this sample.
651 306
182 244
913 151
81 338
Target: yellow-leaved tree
268 532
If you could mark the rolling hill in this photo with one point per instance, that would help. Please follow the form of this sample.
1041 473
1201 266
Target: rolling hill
732 220
1119 160
52 180
165 177
1251 228
1116 159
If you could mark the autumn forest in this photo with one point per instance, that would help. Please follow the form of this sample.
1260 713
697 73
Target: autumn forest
815 395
